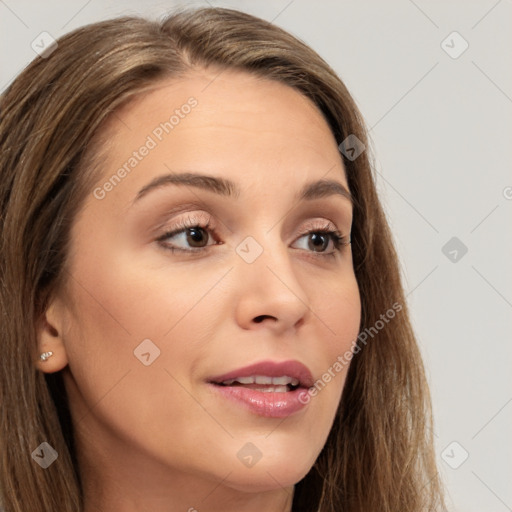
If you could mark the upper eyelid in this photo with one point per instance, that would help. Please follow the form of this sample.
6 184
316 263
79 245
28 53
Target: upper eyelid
337 213
207 217
191 221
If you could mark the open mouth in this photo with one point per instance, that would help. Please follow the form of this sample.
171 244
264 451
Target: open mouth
264 383
267 388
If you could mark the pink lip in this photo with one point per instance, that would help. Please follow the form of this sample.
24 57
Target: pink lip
271 405
272 369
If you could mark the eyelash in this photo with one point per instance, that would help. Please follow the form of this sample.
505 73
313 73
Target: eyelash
336 236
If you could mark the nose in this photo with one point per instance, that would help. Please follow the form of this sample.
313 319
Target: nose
270 296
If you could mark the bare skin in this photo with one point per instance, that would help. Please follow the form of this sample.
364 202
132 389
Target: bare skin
157 437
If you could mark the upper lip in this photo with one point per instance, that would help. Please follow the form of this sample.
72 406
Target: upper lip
293 369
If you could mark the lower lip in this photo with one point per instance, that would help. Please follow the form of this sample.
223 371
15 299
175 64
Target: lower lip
270 405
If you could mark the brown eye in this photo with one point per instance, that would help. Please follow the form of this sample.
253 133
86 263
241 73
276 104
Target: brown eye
188 238
318 242
196 237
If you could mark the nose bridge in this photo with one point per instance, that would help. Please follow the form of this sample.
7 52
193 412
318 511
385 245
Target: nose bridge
266 256
269 286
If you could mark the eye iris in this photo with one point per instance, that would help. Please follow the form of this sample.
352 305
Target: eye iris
319 240
196 236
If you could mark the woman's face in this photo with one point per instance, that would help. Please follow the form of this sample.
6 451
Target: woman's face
156 327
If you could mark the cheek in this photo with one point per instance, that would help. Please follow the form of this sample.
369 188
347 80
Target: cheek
337 307
338 311
139 326
132 350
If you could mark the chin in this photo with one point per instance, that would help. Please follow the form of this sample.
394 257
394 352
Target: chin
278 470
266 478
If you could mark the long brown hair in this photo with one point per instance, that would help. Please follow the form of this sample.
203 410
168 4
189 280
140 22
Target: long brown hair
379 454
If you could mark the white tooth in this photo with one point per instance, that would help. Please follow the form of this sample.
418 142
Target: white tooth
246 380
281 380
294 382
263 379
281 389
228 382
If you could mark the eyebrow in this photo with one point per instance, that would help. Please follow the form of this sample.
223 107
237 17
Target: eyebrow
227 188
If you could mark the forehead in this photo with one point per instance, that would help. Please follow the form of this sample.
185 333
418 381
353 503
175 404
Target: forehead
229 93
227 123
225 99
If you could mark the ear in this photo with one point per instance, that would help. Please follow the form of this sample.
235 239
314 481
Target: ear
50 331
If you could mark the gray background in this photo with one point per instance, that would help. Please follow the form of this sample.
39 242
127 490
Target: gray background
440 127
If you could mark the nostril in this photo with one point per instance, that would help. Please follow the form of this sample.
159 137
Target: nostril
260 318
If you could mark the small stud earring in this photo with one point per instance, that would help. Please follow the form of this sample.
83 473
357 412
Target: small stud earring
45 355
